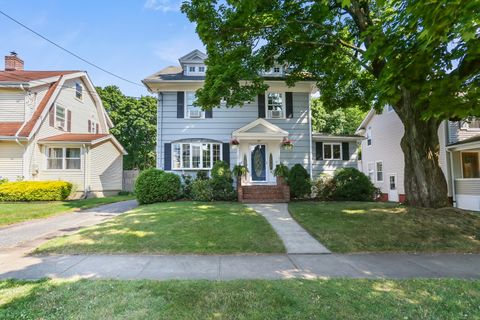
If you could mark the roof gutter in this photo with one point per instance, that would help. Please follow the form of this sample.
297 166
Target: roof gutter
13 138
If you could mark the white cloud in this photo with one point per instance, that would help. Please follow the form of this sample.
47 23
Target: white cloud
163 5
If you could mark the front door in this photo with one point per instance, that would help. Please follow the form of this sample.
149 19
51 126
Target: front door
392 188
258 162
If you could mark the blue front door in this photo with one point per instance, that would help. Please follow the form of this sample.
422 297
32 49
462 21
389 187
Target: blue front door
259 172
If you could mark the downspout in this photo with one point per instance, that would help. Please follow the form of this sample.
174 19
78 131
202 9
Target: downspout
452 177
449 163
85 189
310 156
160 105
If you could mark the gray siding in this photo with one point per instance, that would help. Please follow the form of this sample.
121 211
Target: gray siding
226 120
329 166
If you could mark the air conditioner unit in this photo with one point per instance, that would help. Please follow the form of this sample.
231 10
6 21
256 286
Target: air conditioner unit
195 113
276 113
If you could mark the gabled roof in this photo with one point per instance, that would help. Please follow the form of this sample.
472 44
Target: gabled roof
365 121
196 56
27 76
260 128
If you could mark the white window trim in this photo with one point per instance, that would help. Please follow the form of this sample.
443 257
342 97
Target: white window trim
396 182
376 171
284 115
64 158
331 144
461 162
186 112
64 128
200 168
75 93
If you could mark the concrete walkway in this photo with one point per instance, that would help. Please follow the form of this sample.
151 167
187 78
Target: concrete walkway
28 235
304 266
294 237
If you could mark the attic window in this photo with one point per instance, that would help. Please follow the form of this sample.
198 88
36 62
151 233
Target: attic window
191 69
276 70
201 69
78 91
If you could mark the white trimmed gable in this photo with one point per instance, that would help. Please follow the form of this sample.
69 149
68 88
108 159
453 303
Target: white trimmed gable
260 129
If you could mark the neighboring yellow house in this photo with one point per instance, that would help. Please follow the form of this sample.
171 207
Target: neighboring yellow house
53 126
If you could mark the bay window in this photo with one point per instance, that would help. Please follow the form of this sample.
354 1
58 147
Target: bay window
332 151
63 158
195 155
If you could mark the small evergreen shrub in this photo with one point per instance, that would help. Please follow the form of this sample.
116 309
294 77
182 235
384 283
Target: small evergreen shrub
187 186
352 185
222 181
202 190
323 187
35 191
155 185
299 182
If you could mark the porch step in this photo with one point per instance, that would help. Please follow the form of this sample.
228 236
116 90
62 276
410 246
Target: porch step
259 194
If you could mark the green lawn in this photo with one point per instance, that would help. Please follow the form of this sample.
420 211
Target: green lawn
14 212
383 227
287 299
175 227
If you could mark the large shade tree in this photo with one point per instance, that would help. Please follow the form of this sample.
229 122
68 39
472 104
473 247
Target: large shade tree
421 57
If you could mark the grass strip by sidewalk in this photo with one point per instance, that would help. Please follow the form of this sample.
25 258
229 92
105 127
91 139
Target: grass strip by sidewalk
388 227
14 212
242 299
175 227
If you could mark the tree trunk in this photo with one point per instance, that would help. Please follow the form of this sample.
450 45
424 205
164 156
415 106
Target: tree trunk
425 183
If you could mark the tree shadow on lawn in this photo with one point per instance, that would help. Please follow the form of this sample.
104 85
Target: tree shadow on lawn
178 227
259 299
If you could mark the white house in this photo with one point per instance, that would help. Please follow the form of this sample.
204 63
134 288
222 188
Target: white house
53 127
383 162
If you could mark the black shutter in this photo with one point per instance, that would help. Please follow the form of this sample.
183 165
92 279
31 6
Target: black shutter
167 152
289 104
319 150
261 105
345 151
209 113
180 104
226 152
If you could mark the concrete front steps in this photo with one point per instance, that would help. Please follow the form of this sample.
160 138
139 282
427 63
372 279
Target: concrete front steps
264 193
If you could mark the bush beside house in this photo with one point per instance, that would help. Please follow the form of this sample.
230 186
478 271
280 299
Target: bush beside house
347 184
299 182
155 185
35 190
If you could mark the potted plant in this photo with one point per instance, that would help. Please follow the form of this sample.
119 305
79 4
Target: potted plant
287 144
240 170
281 172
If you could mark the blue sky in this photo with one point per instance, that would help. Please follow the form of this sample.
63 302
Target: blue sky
131 38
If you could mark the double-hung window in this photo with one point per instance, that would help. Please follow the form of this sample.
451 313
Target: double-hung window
195 155
371 171
275 105
379 170
60 117
192 111
78 91
470 165
63 158
332 151
369 136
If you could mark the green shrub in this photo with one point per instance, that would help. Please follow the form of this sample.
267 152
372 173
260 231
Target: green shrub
35 191
299 182
202 190
222 181
202 175
352 185
187 186
155 185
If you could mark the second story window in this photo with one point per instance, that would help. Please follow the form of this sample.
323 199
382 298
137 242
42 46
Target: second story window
192 111
276 70
191 69
369 136
60 117
201 69
275 105
78 91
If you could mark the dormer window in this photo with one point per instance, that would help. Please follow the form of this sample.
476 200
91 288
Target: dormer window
191 69
201 69
276 70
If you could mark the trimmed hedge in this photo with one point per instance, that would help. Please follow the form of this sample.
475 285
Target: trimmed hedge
35 191
155 185
202 190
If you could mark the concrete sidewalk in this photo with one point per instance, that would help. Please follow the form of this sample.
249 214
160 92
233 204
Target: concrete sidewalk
215 267
28 235
294 237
